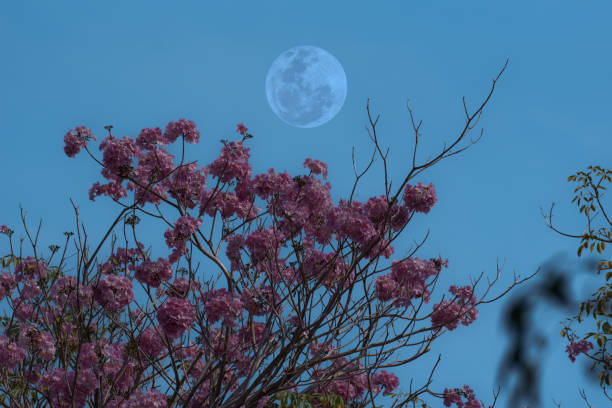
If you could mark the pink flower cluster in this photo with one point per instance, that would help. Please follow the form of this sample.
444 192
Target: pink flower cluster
407 281
575 348
222 305
317 167
118 157
113 292
108 361
76 139
153 273
4 229
122 260
227 204
184 127
180 287
152 399
63 293
10 353
450 313
151 181
260 301
376 207
240 128
353 381
385 379
420 198
187 185
43 342
30 268
177 237
253 334
57 383
7 284
151 341
323 267
232 163
454 396
264 244
154 163
175 316
149 137
298 203
234 244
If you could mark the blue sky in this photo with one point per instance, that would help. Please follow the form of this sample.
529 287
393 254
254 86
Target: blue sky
143 63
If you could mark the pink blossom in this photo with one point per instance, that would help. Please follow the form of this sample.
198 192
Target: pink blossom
113 292
4 229
316 166
180 287
10 353
450 313
262 244
175 316
232 163
150 176
254 333
575 348
56 385
76 139
151 342
386 288
176 237
30 268
30 336
260 301
118 157
64 292
387 380
406 281
153 273
113 189
122 260
227 204
420 198
7 284
152 399
148 138
24 311
30 290
220 304
88 356
184 127
187 184
234 244
240 128
350 220
454 396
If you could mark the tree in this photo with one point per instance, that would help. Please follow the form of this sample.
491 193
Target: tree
267 331
554 288
588 198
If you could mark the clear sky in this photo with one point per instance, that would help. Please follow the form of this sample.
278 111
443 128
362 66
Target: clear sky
136 64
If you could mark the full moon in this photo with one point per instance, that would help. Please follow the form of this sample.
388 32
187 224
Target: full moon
306 86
